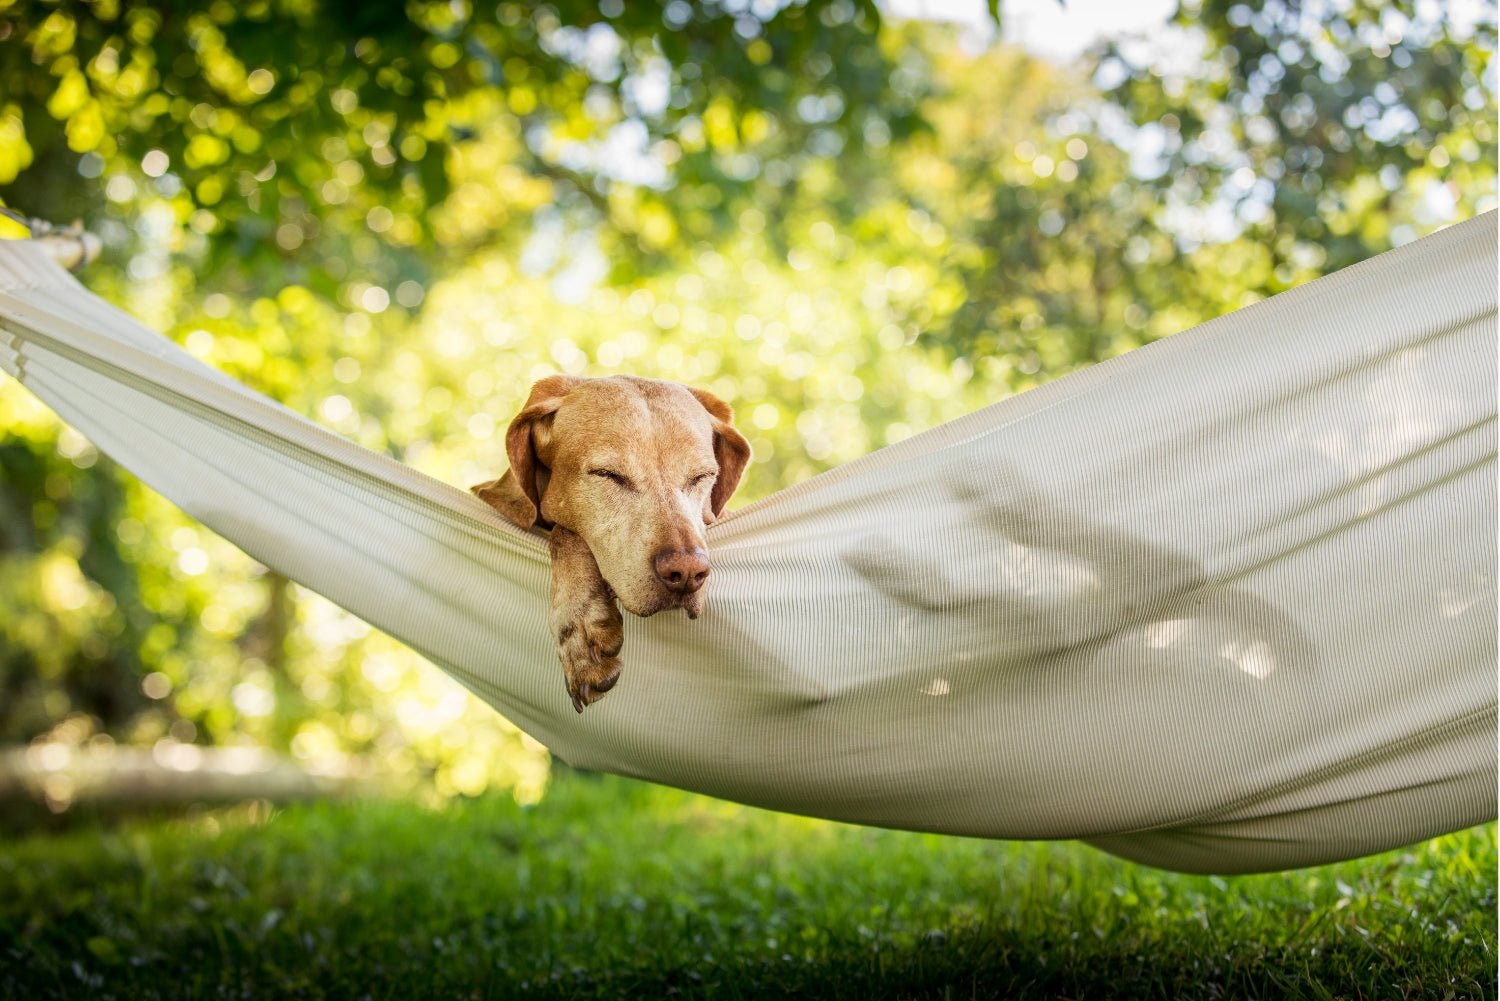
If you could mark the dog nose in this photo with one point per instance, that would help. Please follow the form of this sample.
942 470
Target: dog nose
682 570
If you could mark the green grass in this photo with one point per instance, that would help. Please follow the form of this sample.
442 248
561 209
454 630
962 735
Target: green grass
611 888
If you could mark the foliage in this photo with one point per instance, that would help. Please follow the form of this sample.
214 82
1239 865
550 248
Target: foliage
394 218
1251 149
612 889
290 140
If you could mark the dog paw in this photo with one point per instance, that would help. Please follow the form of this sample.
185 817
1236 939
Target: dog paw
589 637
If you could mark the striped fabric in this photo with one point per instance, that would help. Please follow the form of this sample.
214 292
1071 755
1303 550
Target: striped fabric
1226 603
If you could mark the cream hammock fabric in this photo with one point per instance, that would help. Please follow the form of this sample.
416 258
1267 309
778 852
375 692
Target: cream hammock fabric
1224 604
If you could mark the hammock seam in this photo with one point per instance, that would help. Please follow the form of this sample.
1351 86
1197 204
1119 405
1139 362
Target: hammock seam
51 377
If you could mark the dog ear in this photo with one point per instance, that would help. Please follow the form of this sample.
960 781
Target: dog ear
505 495
528 443
731 450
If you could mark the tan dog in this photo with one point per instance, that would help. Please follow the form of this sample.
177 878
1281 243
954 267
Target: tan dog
625 472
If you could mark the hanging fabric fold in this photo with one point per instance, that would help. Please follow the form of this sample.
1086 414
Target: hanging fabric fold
1226 603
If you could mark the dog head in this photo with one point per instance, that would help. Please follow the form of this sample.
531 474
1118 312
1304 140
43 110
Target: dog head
636 467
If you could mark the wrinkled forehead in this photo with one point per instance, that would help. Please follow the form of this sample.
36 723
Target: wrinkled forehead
633 417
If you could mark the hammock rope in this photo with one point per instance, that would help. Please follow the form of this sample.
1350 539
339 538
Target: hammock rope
1226 603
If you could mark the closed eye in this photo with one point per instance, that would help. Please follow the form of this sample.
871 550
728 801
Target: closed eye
613 477
700 479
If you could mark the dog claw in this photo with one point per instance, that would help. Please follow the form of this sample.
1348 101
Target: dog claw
588 633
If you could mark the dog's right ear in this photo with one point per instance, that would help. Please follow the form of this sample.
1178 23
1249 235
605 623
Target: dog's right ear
528 443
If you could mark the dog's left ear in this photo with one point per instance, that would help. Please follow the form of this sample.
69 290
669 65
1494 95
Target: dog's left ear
731 450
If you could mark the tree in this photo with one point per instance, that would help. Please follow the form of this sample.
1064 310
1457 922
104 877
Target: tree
1323 132
315 142
1242 152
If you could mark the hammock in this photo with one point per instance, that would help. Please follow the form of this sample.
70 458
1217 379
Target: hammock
1226 603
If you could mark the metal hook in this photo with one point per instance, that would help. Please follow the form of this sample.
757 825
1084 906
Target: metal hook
72 246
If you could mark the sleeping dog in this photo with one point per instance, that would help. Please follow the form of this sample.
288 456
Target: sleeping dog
625 473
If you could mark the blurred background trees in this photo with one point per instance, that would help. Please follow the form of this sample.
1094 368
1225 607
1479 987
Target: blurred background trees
852 223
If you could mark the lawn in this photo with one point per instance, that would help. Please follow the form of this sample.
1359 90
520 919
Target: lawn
610 888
